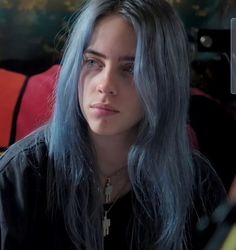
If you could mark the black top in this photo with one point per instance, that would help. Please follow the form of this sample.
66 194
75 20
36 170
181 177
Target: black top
216 135
24 220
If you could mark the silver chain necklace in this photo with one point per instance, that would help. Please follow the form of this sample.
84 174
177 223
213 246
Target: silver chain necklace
106 222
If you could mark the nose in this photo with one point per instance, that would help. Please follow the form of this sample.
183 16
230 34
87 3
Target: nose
108 83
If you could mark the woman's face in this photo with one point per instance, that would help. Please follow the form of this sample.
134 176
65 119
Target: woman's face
107 93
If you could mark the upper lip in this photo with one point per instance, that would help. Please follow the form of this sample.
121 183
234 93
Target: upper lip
104 106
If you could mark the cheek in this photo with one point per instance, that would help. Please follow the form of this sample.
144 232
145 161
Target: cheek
139 107
85 92
136 107
140 111
136 101
86 84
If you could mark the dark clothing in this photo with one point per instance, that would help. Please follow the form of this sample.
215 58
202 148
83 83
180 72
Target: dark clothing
24 219
216 135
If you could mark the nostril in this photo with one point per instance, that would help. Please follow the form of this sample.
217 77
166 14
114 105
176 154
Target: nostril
102 89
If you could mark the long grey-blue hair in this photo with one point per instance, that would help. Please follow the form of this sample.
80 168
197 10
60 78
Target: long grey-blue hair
160 162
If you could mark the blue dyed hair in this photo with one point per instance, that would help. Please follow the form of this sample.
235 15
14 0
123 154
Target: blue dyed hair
159 163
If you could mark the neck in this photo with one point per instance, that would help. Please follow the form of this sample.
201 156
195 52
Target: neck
111 152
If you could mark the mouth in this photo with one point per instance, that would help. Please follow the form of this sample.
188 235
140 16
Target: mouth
104 107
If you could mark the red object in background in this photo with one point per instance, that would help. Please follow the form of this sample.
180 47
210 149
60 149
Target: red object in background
37 102
11 86
25 103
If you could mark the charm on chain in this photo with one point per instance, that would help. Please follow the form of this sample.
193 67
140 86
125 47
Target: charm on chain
108 191
106 223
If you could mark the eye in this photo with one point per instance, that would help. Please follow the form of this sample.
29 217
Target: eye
129 68
92 63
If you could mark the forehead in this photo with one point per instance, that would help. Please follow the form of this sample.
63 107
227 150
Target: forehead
113 34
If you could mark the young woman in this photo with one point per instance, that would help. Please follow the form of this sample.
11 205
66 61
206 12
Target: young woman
114 168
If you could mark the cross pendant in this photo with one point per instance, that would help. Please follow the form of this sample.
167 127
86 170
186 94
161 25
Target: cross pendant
106 223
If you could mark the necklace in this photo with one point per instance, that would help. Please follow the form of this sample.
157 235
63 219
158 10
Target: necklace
106 222
108 188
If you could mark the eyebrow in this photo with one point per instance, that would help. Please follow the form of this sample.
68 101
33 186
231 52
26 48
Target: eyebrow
96 53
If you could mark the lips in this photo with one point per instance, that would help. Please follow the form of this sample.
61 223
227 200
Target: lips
105 107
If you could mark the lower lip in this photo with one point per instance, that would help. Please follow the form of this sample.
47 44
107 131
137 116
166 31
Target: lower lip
104 112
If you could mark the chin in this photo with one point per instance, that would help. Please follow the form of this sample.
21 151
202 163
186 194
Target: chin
112 129
104 132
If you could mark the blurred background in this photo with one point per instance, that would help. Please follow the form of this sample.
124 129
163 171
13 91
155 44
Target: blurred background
32 34
32 29
36 29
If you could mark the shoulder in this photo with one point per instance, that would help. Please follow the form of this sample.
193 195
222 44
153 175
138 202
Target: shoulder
23 193
28 152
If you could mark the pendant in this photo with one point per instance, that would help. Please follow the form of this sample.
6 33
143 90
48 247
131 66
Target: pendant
106 223
108 190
